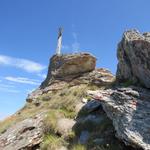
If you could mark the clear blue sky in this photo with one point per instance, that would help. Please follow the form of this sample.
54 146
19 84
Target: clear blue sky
28 33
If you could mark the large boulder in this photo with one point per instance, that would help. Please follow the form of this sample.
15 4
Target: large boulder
129 109
64 126
134 58
69 66
24 135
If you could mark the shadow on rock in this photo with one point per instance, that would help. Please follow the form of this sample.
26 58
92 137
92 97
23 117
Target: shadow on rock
94 129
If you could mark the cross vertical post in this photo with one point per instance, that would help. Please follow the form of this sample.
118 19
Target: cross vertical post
59 41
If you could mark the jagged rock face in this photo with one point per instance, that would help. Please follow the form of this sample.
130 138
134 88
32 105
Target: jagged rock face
133 55
25 135
69 66
129 109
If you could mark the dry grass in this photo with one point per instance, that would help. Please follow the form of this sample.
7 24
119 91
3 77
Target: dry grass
52 142
6 123
28 111
63 100
57 104
50 122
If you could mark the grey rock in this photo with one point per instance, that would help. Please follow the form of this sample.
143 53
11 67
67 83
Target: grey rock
98 141
64 126
100 77
92 106
66 67
23 135
34 95
129 109
93 118
133 55
84 137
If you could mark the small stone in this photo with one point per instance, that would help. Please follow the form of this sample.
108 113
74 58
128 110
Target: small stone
64 126
84 100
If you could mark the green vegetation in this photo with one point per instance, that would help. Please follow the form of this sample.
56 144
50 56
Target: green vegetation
52 142
50 122
53 100
28 111
67 112
61 104
127 83
79 147
45 97
71 136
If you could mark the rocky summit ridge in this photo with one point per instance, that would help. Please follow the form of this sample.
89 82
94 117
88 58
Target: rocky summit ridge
80 107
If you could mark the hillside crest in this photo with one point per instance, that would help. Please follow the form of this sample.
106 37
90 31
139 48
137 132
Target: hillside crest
79 106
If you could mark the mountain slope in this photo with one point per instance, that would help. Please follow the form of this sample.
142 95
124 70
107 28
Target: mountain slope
79 107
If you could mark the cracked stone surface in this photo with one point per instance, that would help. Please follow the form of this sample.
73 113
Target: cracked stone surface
129 109
133 55
24 135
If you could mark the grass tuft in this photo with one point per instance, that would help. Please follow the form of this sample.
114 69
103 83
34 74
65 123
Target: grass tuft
52 142
78 147
49 123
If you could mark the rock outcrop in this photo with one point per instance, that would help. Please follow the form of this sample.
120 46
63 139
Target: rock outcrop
67 67
79 68
26 134
99 77
129 109
133 55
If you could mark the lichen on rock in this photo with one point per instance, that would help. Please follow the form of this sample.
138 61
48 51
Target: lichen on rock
133 56
69 66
